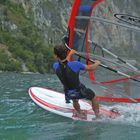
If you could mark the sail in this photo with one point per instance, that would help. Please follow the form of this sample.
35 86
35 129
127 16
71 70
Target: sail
78 36
103 30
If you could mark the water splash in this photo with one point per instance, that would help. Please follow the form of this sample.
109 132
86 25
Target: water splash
130 114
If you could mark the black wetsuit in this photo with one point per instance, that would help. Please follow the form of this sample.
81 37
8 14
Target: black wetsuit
69 76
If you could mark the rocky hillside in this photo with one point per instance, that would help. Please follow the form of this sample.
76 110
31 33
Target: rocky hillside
29 29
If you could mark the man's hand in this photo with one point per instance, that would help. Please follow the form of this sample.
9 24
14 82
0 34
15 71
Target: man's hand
72 52
97 62
93 66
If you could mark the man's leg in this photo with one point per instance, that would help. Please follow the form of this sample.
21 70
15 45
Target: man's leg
90 95
79 112
95 106
76 105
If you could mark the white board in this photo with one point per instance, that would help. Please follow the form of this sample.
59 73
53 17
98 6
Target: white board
55 102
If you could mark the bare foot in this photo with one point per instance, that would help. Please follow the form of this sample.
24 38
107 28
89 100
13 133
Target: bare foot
80 114
98 116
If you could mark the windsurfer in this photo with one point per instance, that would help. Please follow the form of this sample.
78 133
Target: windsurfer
68 73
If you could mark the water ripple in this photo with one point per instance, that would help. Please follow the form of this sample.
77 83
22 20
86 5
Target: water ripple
21 118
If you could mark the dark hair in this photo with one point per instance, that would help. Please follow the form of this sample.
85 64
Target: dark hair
60 51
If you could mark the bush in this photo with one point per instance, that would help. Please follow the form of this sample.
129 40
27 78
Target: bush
26 43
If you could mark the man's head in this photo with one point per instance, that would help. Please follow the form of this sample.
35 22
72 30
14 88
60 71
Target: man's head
60 51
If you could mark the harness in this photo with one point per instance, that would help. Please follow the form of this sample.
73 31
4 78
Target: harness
67 76
70 80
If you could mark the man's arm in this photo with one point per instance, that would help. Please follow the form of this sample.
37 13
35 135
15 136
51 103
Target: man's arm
72 52
92 66
76 105
87 67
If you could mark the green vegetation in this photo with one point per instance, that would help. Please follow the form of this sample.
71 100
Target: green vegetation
25 42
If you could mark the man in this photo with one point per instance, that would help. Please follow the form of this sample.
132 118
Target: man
68 73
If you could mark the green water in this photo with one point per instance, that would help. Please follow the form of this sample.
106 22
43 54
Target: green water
21 119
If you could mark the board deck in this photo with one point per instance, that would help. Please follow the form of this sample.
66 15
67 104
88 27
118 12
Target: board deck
54 101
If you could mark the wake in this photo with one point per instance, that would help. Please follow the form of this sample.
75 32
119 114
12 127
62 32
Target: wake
130 114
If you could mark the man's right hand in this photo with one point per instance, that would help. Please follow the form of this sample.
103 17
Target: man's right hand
72 52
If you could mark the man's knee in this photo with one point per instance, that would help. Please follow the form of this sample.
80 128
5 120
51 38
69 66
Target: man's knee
90 93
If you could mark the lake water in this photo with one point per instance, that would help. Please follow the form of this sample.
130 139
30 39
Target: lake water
21 119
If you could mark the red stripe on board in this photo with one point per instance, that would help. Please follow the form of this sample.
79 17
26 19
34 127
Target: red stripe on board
90 111
48 104
55 107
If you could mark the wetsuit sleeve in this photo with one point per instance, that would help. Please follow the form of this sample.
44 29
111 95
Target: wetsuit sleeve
76 66
80 65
